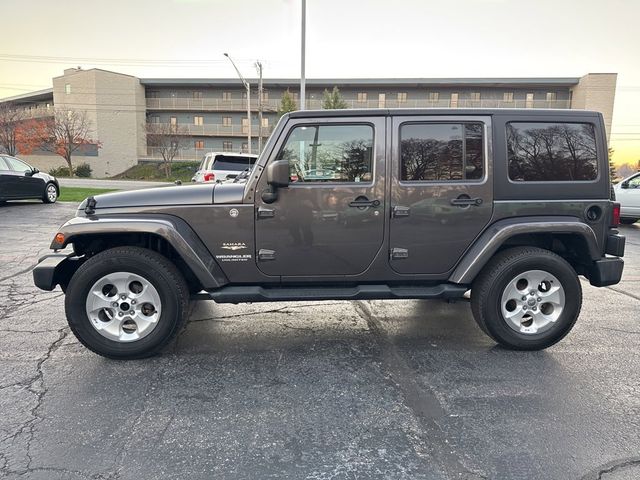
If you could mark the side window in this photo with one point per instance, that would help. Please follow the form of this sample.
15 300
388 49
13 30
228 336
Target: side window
633 183
16 165
329 153
3 165
551 152
441 152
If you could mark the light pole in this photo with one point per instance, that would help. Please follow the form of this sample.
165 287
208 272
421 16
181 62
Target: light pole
248 87
302 55
259 68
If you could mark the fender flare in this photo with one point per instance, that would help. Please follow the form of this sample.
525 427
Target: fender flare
486 245
173 229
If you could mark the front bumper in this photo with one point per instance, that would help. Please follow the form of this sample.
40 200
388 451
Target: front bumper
54 269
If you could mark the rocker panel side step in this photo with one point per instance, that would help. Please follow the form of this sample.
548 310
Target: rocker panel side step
241 294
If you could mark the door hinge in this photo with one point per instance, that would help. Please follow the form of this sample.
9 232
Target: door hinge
400 211
265 255
399 253
266 212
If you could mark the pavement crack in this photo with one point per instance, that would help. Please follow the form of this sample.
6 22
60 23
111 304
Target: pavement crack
423 404
19 272
36 385
612 467
622 292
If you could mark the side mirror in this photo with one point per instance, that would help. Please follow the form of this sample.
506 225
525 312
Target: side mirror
278 174
624 185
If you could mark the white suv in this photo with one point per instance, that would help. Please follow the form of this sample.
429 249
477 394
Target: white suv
223 166
628 195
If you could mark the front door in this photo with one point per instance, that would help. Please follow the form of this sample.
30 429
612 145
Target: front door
442 194
24 184
329 220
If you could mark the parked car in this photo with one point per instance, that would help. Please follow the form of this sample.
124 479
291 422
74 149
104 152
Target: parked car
421 204
21 181
628 194
221 166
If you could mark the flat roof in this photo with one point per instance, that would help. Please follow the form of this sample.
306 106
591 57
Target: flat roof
370 112
327 82
45 94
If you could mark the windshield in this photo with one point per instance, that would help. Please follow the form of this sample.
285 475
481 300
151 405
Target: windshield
238 164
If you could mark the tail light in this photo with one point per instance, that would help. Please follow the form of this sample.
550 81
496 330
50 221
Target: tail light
615 215
209 177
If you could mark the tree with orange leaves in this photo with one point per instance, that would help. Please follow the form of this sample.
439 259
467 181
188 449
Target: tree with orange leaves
63 134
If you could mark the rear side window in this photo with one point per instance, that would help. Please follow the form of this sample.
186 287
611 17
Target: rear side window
436 152
224 162
551 152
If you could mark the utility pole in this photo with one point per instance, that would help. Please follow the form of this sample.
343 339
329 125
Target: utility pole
259 68
302 56
248 87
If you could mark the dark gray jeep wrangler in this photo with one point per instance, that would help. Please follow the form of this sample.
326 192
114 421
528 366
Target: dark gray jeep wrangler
512 205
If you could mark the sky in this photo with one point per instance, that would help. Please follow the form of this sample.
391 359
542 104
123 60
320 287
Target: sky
345 38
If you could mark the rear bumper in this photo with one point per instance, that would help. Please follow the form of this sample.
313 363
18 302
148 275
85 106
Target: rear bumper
53 269
606 271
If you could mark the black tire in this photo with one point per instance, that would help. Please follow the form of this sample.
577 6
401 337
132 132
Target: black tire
153 267
45 196
628 221
487 289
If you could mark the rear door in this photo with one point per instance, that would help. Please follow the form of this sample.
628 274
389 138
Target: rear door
442 193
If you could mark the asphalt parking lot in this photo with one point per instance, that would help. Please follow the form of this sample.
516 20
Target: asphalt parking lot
329 390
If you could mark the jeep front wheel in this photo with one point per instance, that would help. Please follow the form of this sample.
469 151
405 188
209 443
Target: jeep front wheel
526 298
126 302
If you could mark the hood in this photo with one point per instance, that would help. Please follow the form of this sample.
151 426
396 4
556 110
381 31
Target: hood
195 194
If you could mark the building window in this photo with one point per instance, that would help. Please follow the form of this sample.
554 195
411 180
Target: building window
174 144
265 122
551 96
265 96
362 97
227 146
67 88
197 95
444 152
402 97
294 95
569 152
245 147
173 94
226 121
475 96
330 153
155 119
454 100
507 97
198 144
245 125
198 120
173 120
226 96
434 96
153 94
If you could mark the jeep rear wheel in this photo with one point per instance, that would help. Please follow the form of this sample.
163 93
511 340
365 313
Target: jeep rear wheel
526 298
126 302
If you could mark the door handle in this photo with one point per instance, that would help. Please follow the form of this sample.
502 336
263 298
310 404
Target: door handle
363 203
465 201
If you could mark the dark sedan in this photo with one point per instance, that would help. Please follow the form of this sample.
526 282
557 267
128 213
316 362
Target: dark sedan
21 181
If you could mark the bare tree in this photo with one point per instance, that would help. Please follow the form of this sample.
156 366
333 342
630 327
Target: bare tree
168 140
10 118
63 134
